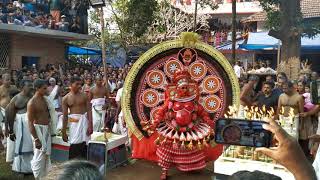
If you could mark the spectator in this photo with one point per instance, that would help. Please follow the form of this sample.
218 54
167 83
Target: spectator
237 69
55 7
75 170
75 26
267 98
63 25
289 154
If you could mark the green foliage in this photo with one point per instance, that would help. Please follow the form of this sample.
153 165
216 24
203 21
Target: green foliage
141 14
210 3
305 26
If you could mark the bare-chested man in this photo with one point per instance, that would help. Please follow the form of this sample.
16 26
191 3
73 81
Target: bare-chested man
248 94
18 128
39 125
79 119
98 95
292 99
7 91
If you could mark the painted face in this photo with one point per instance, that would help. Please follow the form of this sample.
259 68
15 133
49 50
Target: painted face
182 87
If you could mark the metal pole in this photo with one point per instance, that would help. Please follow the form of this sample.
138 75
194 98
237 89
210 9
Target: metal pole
195 16
103 47
234 23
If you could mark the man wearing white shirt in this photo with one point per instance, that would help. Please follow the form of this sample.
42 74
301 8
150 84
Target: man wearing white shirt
237 69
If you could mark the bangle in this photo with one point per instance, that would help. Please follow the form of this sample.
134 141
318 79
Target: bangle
36 139
10 134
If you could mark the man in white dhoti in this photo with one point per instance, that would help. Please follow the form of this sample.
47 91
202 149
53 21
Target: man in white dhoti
54 94
18 128
79 120
40 128
99 95
120 124
7 91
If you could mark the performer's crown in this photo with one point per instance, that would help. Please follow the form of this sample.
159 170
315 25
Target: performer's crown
181 74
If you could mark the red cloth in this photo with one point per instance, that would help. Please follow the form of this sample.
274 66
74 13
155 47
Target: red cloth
182 159
146 149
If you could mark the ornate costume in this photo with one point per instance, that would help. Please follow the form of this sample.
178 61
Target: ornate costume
173 95
183 125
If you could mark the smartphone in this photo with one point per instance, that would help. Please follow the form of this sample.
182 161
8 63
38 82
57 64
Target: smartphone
242 133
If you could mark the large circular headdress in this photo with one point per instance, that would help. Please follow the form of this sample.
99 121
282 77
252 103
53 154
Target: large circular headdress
145 85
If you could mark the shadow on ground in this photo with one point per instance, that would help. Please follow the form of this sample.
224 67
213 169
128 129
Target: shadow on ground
144 170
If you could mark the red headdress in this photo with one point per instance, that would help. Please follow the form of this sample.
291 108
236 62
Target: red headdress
181 74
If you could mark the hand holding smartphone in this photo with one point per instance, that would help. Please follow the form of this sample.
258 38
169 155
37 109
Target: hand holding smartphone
242 133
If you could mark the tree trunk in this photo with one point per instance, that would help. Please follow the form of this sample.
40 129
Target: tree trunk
234 23
290 37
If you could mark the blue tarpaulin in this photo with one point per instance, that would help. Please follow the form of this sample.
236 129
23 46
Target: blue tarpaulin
116 55
262 41
74 50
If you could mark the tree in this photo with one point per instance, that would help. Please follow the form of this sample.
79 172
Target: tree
284 18
170 22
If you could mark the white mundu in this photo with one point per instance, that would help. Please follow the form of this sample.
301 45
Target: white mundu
41 163
78 126
8 142
98 114
23 148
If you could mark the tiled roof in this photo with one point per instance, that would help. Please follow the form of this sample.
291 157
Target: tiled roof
309 9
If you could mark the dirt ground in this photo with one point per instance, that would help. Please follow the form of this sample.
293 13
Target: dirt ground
135 170
144 170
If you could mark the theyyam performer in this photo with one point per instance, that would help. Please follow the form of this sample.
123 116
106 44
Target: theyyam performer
98 95
18 128
40 125
79 120
186 126
171 98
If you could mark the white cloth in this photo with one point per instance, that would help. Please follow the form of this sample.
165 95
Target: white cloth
237 70
10 144
316 162
119 128
78 130
112 86
41 163
2 116
53 117
53 95
98 115
118 98
23 150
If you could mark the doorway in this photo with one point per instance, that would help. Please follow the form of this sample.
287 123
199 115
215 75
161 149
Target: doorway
30 61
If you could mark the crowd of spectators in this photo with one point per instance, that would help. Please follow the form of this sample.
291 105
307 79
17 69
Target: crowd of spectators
277 91
222 33
63 15
62 73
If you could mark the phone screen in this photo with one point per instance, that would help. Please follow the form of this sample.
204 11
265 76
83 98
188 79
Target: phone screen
242 133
